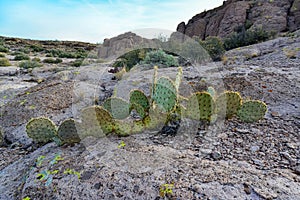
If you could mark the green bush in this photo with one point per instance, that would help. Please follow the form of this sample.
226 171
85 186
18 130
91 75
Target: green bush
52 61
80 53
77 63
36 59
21 56
4 62
160 58
36 48
2 55
29 64
214 46
4 49
246 37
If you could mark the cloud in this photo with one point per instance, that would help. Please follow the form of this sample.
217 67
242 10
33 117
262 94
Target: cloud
92 21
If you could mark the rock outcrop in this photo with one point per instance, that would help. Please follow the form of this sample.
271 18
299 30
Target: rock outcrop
272 15
116 46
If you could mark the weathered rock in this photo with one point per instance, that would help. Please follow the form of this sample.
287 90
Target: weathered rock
116 46
275 16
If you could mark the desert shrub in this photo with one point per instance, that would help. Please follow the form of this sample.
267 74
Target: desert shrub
77 63
29 64
214 46
4 49
130 59
4 62
160 58
52 61
22 56
80 53
246 37
24 50
36 59
36 48
2 55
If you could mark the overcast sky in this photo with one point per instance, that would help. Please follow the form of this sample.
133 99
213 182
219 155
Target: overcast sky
92 20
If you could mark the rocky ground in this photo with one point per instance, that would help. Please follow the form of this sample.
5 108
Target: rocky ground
228 160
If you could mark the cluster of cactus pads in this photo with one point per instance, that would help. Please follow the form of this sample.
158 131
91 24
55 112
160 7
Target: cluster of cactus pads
115 113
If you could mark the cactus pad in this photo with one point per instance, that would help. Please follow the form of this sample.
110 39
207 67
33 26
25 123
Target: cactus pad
200 106
126 127
41 130
139 109
138 97
118 108
228 104
67 132
165 94
252 111
96 121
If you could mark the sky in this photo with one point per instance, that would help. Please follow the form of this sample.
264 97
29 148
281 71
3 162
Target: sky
93 20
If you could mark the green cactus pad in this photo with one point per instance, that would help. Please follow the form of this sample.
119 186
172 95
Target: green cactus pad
228 103
200 106
96 121
127 127
156 119
139 98
118 108
140 110
165 94
252 111
41 130
67 132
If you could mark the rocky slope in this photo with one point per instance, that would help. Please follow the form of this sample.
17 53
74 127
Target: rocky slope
273 15
238 161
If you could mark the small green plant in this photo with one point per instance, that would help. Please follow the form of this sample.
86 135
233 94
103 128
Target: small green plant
26 198
166 189
39 161
36 59
2 55
160 58
4 62
214 46
121 145
73 172
21 56
77 63
29 64
243 37
52 61
4 49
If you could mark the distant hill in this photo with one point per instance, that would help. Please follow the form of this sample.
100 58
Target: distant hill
272 15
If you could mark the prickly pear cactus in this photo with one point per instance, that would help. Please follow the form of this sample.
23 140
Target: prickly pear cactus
165 94
138 97
139 102
139 109
200 106
67 132
127 127
41 130
212 91
252 111
96 121
118 108
228 103
156 119
178 79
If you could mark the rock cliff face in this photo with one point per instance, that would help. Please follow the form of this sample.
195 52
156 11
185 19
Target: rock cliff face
272 15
